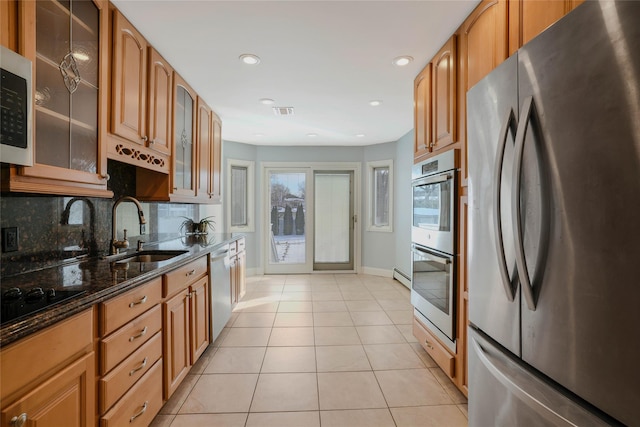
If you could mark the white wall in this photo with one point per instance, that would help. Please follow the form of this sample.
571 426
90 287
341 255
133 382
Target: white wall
402 202
378 248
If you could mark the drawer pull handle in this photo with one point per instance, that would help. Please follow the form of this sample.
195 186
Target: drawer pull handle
142 411
191 273
141 334
140 301
428 344
142 365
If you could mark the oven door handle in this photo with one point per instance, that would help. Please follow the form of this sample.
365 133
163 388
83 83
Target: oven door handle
433 257
433 180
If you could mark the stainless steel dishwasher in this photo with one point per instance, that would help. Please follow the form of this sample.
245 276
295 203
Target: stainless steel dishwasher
220 290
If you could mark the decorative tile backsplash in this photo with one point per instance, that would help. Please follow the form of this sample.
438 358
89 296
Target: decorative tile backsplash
53 228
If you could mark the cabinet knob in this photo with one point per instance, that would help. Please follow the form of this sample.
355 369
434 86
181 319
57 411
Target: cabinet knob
151 142
19 420
145 138
105 176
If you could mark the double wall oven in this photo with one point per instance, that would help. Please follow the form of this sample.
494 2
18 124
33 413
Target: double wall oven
433 244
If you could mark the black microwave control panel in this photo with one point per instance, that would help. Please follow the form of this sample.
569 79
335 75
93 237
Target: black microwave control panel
13 106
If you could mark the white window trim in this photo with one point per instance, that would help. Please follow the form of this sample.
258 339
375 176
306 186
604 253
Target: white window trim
250 165
370 168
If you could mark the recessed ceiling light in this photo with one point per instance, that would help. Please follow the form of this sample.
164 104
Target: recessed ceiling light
312 135
267 101
401 61
250 59
375 103
360 135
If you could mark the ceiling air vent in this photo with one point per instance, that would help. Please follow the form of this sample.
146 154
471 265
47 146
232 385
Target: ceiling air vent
283 111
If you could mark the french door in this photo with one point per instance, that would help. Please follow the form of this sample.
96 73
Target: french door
309 218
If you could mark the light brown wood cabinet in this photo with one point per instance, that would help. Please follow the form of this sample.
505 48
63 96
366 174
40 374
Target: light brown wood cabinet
130 353
209 143
422 114
70 94
55 390
444 95
435 98
483 46
238 257
141 101
186 322
528 18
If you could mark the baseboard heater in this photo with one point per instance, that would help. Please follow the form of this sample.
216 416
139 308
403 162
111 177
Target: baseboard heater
402 278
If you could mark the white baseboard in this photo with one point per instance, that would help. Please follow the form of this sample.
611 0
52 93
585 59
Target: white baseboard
401 277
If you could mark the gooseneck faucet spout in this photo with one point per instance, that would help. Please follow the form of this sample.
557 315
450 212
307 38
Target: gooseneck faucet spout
116 244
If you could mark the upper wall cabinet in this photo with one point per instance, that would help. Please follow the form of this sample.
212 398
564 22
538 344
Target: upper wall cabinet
444 95
68 45
435 103
483 46
141 101
528 18
422 110
184 166
209 150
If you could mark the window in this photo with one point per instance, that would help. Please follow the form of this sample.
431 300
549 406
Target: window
241 195
380 190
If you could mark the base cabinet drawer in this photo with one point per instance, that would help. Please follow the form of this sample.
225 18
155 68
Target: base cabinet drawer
123 308
139 405
113 385
432 346
120 344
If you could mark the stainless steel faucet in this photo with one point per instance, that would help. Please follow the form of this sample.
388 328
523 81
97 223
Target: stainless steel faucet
116 244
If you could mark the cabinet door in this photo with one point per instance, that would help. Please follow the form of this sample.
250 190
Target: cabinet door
199 318
160 103
176 341
184 129
528 18
68 399
422 114
215 193
128 112
205 144
483 46
68 45
444 95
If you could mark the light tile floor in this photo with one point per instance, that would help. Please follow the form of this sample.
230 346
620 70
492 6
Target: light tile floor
317 350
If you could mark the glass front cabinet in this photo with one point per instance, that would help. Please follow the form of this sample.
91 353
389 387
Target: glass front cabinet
67 42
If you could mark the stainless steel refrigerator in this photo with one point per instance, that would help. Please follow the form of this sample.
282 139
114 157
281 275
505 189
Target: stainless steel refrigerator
554 223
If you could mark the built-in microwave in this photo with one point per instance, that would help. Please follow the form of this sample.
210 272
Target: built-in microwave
434 188
16 112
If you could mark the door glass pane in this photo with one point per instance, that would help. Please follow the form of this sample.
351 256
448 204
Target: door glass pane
287 192
332 217
238 195
183 138
381 196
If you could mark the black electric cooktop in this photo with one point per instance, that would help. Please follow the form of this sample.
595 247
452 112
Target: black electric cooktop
16 303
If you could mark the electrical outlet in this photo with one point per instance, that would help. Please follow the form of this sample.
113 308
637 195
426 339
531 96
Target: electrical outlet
10 239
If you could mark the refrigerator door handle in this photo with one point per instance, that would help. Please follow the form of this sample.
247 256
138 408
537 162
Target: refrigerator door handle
521 264
509 288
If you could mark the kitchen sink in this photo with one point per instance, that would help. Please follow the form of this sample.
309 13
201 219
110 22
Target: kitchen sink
151 256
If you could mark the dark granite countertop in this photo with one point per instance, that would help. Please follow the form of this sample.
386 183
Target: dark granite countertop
100 279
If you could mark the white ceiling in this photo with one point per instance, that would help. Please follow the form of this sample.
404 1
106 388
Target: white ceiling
326 59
